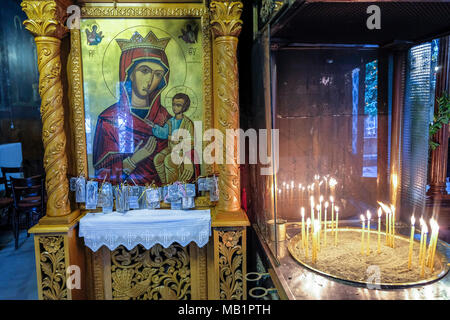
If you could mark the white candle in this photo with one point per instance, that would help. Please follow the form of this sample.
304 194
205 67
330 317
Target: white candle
319 211
308 223
363 228
411 242
369 215
325 225
332 213
379 231
303 227
337 226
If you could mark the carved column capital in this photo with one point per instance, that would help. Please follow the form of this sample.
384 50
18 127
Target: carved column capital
45 18
225 18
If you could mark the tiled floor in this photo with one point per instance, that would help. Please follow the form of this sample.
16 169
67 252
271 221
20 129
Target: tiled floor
17 267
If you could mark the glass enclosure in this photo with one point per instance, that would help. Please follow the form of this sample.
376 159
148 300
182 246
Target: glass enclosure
351 133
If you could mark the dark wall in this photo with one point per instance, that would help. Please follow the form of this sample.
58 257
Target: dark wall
19 78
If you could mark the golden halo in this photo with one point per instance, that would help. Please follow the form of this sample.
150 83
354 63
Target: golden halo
193 108
111 59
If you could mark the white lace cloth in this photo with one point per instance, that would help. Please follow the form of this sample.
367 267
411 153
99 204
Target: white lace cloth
145 227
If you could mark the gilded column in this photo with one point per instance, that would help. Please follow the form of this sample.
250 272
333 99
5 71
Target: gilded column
226 27
45 22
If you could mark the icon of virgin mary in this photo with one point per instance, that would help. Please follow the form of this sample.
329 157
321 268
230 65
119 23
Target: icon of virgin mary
124 145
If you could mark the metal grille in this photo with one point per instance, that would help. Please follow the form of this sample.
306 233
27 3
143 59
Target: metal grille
415 129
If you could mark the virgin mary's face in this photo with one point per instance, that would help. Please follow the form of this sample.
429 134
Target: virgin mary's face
146 77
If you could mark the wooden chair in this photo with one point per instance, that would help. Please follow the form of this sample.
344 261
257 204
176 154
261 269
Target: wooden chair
6 171
5 201
28 198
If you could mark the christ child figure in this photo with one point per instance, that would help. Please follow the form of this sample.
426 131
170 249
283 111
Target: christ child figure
168 171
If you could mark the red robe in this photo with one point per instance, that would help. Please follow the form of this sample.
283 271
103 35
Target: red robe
117 135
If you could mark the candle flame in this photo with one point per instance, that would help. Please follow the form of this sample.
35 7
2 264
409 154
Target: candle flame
363 218
379 212
292 184
333 182
413 220
331 198
287 187
321 198
311 199
421 222
318 207
337 209
369 215
425 228
326 204
320 183
385 207
303 212
308 221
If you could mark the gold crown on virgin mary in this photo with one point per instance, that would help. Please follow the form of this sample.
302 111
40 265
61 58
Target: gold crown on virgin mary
137 41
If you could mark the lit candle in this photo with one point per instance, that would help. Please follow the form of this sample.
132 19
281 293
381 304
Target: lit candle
411 242
436 233
379 231
422 223
308 223
303 226
318 227
313 253
369 215
332 213
387 224
422 268
318 207
337 226
390 227
393 225
363 228
311 201
325 225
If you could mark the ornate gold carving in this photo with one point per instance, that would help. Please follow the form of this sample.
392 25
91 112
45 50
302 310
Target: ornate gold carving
97 259
203 292
142 12
53 136
231 264
45 21
226 18
76 99
226 26
154 274
52 267
45 18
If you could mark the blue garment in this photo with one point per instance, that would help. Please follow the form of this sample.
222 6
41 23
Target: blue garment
163 132
142 113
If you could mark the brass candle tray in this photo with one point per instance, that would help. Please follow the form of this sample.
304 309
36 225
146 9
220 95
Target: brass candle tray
385 270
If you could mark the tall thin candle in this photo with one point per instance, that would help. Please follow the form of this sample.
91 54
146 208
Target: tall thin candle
325 225
318 223
363 228
308 223
332 213
379 231
436 238
393 225
369 215
411 242
422 268
302 210
422 223
337 227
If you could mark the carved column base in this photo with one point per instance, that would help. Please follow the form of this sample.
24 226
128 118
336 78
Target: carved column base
60 220
56 249
227 264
